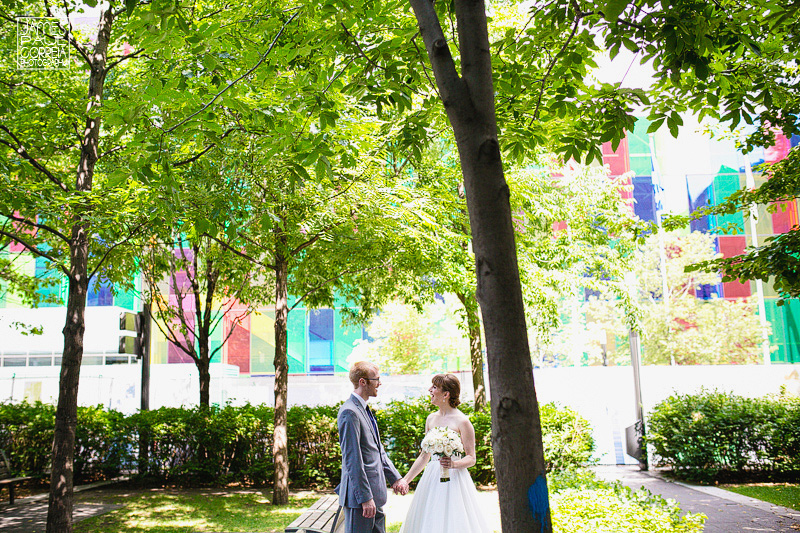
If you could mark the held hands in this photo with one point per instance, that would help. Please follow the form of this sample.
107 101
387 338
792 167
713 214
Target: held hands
400 486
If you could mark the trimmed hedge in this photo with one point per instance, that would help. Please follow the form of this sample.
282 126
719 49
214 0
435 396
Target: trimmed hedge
220 445
714 435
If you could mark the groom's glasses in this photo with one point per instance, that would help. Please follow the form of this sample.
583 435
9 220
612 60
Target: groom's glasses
373 379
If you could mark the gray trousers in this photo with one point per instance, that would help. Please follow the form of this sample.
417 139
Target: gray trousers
354 521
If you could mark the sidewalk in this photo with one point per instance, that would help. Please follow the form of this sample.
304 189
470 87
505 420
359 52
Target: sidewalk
29 515
727 512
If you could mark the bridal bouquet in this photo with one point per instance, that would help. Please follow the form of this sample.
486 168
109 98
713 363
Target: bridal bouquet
444 442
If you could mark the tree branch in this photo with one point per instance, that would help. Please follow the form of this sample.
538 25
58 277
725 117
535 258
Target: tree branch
360 50
237 80
206 150
19 149
38 225
238 252
33 249
115 245
451 87
553 64
333 278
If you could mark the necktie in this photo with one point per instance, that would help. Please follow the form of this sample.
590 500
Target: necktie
374 422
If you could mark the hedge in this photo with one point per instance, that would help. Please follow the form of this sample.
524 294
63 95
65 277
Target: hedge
220 445
716 436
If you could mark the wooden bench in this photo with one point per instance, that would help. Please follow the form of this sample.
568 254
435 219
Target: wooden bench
5 479
324 516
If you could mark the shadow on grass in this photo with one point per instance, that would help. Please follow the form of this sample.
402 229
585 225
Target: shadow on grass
171 510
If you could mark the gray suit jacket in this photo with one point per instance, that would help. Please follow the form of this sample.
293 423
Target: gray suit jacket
365 465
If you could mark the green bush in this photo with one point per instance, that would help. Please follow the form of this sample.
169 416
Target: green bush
582 503
619 510
220 445
715 435
567 437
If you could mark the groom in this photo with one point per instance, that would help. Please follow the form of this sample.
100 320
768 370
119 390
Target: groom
365 465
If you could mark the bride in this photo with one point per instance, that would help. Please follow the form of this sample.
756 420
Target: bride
452 506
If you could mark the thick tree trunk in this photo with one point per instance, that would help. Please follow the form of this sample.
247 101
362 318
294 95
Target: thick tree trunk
59 511
469 102
475 350
280 443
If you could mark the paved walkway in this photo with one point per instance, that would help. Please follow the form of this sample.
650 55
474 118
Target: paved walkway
727 512
29 515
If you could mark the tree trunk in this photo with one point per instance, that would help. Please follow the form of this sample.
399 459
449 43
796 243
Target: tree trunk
59 510
469 102
475 350
280 452
205 378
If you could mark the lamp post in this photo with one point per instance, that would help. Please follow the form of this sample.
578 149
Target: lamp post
634 435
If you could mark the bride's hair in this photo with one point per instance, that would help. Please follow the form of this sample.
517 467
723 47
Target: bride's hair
449 383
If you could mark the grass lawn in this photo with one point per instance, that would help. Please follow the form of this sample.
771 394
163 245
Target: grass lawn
167 510
784 494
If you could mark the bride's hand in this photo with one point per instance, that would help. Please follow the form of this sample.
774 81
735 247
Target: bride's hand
446 462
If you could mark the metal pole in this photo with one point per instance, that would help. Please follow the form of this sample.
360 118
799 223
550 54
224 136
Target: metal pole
762 311
637 392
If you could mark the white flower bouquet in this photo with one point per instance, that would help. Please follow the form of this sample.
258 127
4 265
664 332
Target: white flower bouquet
444 442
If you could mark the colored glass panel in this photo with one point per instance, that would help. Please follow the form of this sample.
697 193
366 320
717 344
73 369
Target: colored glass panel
696 201
53 277
785 330
297 341
320 340
238 344
158 346
262 343
215 341
175 353
617 160
644 205
345 339
99 293
730 246
726 183
641 162
785 217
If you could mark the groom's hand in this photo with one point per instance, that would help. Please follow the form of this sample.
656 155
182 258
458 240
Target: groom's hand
368 509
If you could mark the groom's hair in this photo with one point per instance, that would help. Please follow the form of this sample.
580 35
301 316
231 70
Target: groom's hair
361 370
449 383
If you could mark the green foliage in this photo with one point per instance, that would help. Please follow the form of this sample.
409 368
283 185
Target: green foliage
711 435
407 341
103 442
619 510
581 502
219 445
567 438
677 327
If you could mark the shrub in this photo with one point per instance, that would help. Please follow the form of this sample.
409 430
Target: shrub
225 444
619 510
713 435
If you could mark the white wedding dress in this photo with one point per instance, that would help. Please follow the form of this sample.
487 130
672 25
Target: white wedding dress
445 507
